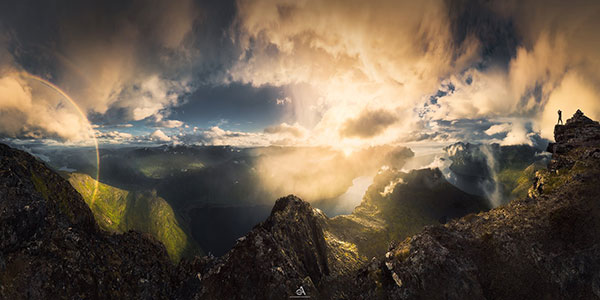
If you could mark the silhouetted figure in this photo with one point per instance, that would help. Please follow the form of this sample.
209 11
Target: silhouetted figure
560 117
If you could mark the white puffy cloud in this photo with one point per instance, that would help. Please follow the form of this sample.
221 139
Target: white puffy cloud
517 135
160 136
283 101
114 137
498 128
295 130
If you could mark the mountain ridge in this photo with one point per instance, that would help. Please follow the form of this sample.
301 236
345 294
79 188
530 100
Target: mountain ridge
545 245
52 248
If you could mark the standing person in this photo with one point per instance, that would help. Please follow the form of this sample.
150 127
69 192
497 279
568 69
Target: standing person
560 117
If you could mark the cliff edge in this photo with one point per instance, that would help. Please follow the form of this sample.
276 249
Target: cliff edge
543 246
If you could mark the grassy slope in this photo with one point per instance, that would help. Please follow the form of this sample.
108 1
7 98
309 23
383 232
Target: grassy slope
119 210
515 181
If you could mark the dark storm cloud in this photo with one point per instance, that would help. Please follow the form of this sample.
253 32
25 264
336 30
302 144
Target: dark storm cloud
496 33
169 63
368 124
121 60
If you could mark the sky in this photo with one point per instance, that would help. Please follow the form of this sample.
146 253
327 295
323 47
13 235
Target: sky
346 74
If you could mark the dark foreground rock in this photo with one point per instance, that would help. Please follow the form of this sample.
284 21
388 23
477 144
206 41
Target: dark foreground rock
277 257
51 247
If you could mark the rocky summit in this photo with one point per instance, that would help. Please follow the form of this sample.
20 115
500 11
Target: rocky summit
52 248
542 246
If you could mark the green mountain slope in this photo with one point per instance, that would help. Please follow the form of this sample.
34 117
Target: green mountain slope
515 182
119 210
397 205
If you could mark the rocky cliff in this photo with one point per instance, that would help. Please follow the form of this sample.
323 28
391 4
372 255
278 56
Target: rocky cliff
51 247
544 246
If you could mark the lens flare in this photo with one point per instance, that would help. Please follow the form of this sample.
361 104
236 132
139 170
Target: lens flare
81 113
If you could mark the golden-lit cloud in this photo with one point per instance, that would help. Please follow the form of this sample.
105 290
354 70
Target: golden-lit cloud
318 173
359 56
120 65
29 109
351 73
159 136
391 56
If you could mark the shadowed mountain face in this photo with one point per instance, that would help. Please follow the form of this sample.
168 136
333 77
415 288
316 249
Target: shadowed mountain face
397 205
217 228
499 173
545 245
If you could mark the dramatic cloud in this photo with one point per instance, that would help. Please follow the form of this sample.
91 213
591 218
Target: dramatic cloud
355 55
480 59
29 109
551 67
346 73
368 124
134 60
120 61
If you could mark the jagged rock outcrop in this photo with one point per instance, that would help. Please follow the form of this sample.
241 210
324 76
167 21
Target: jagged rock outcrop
51 247
578 131
545 246
280 255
